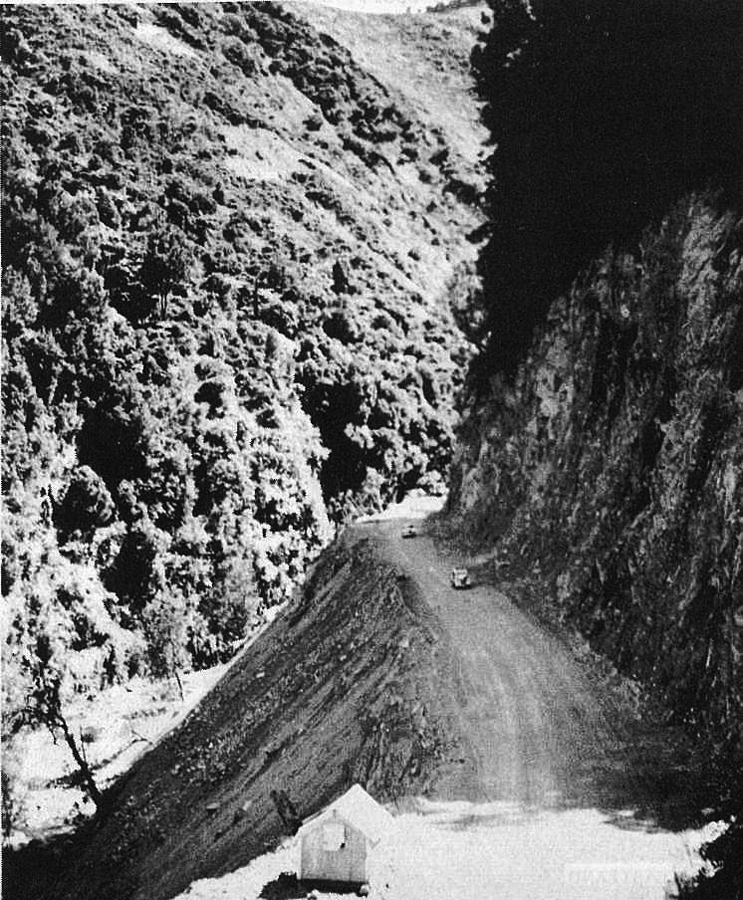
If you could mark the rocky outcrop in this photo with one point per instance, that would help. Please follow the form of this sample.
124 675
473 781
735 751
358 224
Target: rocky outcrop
607 478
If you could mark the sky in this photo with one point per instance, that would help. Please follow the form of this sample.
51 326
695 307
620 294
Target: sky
369 6
377 6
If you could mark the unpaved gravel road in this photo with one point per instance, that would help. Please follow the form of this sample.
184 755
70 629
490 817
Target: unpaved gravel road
541 734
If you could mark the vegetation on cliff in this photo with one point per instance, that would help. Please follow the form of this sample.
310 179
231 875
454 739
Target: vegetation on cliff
602 114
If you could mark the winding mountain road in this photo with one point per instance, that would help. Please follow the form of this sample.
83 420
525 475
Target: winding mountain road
540 733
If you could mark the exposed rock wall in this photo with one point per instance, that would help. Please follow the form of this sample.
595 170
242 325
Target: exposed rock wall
609 477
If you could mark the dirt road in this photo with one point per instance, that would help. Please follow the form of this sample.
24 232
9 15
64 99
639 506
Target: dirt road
380 673
540 733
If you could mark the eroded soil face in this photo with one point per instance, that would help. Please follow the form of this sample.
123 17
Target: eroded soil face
343 687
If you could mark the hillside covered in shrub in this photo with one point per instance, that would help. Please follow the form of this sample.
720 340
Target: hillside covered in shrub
602 447
225 250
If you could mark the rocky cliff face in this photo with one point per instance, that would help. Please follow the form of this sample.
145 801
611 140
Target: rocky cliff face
607 478
601 448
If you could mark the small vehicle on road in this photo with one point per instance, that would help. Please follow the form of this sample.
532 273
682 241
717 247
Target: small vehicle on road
409 531
460 579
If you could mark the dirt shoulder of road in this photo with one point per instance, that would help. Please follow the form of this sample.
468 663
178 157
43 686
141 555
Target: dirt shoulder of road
677 775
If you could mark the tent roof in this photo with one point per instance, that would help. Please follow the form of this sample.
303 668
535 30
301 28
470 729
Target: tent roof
358 809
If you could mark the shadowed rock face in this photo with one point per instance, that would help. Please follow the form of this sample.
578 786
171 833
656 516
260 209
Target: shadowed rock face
600 458
603 115
606 480
601 450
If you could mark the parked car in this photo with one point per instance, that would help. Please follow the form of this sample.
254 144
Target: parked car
460 579
409 531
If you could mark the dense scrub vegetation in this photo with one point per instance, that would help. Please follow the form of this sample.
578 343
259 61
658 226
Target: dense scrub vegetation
224 248
602 447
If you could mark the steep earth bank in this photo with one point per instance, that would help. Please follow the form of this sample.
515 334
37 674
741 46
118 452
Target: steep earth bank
348 684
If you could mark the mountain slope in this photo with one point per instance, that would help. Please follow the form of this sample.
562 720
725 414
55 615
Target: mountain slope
426 58
225 245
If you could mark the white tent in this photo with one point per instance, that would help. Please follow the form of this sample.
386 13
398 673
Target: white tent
336 843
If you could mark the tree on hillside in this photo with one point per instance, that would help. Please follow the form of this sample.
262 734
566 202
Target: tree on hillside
165 265
37 668
166 624
86 505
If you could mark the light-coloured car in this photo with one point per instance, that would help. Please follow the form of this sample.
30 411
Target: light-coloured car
409 531
460 579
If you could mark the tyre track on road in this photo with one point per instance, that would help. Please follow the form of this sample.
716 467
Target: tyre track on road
538 731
